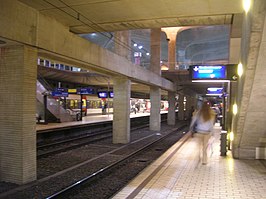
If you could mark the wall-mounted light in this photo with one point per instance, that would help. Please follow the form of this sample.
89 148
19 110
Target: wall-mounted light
235 109
246 5
231 136
240 69
147 54
135 45
140 47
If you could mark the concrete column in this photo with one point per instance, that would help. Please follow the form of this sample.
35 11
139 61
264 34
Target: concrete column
123 44
121 120
181 107
155 51
171 36
18 74
249 123
155 116
172 53
155 92
171 108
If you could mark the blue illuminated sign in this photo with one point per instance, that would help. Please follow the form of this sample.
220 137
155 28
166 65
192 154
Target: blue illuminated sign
85 91
111 94
102 94
59 94
61 90
208 72
215 91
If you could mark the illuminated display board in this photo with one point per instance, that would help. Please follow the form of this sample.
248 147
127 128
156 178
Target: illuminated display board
208 72
111 94
214 91
60 92
102 94
85 91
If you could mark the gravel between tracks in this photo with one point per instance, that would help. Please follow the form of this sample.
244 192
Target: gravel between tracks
47 185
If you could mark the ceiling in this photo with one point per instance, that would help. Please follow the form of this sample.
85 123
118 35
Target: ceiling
85 16
210 25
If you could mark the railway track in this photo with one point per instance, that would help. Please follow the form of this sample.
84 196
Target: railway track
62 139
102 158
45 150
83 187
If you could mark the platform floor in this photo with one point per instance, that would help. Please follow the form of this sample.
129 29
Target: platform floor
179 174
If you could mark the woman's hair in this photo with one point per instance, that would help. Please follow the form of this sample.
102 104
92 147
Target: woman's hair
206 112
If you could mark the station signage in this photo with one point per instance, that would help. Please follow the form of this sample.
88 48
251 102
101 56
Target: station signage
102 94
200 72
105 94
72 90
214 91
60 92
111 94
85 91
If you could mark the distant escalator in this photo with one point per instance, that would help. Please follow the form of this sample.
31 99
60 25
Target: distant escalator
54 111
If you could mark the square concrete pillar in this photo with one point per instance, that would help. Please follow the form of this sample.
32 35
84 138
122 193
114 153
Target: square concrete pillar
155 116
18 74
155 51
122 43
171 109
121 120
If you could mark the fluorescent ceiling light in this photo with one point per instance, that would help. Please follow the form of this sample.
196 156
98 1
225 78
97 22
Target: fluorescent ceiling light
213 81
214 89
214 94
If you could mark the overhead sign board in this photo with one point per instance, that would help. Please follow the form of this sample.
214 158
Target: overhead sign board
59 94
102 94
111 94
72 90
214 91
85 91
208 72
61 90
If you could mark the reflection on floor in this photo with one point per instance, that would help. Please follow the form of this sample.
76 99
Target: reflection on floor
183 176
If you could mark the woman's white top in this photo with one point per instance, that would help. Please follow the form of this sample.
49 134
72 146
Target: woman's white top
202 126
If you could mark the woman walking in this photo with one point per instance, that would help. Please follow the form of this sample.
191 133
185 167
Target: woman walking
202 127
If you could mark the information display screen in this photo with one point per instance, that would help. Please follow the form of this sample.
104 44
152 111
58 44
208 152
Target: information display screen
85 91
214 91
199 72
111 94
102 94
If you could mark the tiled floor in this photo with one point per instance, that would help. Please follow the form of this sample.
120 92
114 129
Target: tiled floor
183 176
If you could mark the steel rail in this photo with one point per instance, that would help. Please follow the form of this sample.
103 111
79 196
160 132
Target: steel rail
75 185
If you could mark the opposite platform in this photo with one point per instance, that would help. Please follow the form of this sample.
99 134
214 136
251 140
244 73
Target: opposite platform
86 120
179 174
